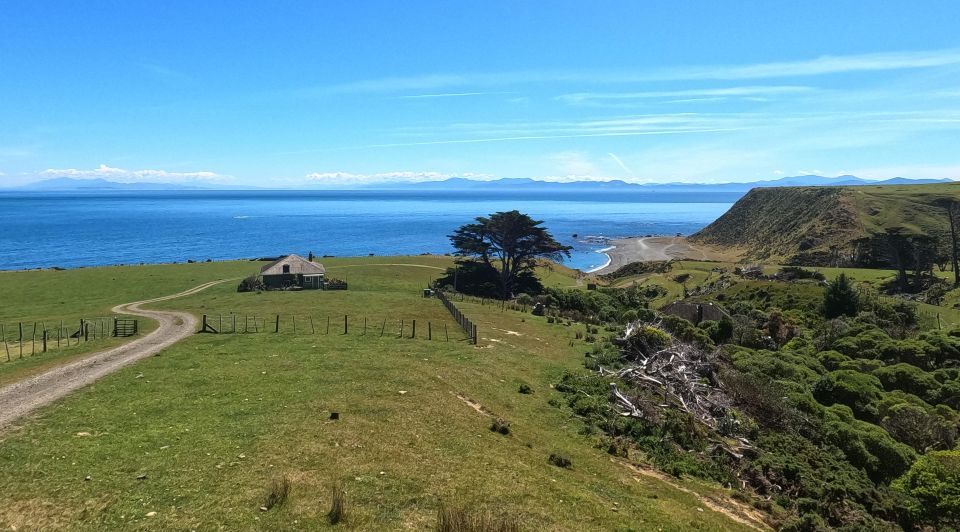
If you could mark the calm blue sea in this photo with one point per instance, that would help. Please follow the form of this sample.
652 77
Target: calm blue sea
39 230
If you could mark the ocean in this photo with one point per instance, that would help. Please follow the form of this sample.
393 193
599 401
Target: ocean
73 229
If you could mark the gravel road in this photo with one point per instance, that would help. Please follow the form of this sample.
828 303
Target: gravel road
21 398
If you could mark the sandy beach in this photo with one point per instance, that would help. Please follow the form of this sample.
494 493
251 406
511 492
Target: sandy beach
657 248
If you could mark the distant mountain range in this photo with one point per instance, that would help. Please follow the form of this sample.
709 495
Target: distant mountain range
532 184
62 184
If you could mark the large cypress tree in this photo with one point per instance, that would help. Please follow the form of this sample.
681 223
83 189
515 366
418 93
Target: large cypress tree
508 242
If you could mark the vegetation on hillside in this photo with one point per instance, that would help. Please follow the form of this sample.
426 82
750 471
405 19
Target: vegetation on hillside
222 425
826 412
906 227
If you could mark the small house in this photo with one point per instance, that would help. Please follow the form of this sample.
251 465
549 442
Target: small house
292 272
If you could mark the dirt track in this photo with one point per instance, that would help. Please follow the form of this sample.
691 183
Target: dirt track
21 398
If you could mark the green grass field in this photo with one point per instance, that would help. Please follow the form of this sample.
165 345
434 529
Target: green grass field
198 433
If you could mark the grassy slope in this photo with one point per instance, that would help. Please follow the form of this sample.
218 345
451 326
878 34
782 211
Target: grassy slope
701 272
47 297
211 421
779 223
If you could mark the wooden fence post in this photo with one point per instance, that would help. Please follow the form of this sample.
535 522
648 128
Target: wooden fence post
294 324
445 332
44 340
401 329
344 324
312 329
414 333
328 325
3 333
364 326
276 327
429 331
383 327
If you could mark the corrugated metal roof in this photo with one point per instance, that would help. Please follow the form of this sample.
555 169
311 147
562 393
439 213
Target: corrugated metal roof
298 265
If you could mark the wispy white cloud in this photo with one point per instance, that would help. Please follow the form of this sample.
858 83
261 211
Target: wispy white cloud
581 98
131 176
823 130
449 95
573 163
349 178
819 66
621 164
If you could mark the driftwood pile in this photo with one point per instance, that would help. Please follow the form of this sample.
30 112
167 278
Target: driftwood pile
684 376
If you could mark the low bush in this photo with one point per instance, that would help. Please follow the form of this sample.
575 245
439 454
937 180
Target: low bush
560 461
500 426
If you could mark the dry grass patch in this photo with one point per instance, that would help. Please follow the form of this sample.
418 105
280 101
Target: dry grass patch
462 519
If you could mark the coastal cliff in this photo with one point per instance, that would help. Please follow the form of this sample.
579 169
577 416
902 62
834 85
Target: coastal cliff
830 225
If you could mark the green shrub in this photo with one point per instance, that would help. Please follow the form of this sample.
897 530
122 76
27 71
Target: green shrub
867 445
934 480
648 340
840 299
859 391
910 379
250 284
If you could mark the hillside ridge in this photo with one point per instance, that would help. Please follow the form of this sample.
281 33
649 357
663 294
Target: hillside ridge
828 225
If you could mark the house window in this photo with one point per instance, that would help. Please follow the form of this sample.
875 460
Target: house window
286 268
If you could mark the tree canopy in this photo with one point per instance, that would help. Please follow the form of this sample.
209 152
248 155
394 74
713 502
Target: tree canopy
840 299
508 242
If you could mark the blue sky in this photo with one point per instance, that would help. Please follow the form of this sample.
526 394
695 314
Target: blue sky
344 93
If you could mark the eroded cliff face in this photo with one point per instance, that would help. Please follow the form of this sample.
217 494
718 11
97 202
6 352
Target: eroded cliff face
789 224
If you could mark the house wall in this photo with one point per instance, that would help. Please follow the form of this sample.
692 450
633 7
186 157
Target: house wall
280 281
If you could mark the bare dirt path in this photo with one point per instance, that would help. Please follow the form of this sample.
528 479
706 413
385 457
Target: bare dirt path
21 398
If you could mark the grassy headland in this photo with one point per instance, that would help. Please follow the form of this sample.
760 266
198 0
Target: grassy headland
821 225
199 433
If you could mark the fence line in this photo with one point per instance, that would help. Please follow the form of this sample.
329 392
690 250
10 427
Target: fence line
468 326
932 318
292 324
30 338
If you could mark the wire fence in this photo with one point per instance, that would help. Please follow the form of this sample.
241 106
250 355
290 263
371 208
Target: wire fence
301 324
929 316
25 339
465 323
